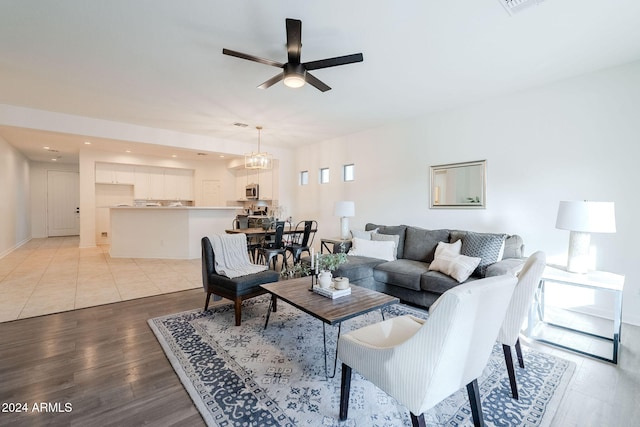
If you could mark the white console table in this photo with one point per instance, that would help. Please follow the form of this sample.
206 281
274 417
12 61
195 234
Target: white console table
598 281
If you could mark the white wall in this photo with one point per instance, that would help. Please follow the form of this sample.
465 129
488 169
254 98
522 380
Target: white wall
15 225
573 140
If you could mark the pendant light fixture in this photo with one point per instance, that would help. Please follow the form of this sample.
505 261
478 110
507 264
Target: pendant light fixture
259 160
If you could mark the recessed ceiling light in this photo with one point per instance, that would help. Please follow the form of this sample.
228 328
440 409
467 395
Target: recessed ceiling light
46 148
127 151
222 156
173 155
55 160
87 143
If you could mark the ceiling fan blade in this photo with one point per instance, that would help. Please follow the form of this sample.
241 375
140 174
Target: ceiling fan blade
251 58
332 62
294 40
273 80
313 81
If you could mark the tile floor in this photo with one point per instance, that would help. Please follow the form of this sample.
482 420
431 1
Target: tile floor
51 275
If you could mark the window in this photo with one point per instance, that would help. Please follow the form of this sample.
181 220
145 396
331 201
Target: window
304 177
324 175
347 172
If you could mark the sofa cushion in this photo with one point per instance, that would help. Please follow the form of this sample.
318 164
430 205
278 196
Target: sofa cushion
487 246
357 268
449 261
439 283
420 244
511 266
391 229
402 272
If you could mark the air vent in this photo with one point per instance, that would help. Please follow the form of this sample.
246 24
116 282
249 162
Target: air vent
241 125
515 6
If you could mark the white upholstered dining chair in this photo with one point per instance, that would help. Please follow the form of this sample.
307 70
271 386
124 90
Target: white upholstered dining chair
421 362
509 334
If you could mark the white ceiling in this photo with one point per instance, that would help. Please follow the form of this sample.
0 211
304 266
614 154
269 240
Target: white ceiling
160 64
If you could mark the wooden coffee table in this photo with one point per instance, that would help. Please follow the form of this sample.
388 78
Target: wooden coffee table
331 311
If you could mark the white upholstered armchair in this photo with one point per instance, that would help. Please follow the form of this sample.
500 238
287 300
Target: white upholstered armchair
421 362
528 280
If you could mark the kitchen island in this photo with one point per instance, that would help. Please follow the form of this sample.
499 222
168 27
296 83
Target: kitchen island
165 232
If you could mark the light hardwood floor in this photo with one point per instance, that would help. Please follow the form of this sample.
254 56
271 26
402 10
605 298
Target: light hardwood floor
107 364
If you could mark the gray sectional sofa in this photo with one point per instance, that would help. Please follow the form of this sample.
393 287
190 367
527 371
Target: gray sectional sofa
408 277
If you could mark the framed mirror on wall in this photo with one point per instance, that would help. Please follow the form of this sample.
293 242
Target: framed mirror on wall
459 185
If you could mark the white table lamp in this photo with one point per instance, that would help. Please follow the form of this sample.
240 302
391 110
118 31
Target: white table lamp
344 210
582 218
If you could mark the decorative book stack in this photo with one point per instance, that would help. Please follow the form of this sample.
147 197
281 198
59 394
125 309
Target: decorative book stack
332 292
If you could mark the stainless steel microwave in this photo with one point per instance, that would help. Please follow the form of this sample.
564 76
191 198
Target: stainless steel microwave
252 192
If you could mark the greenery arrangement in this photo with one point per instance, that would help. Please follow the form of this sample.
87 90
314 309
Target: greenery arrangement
296 270
331 261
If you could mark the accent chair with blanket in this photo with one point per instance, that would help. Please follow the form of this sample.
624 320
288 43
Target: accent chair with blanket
227 271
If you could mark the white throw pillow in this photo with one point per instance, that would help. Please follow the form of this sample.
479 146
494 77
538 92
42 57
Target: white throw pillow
372 249
388 237
362 234
449 261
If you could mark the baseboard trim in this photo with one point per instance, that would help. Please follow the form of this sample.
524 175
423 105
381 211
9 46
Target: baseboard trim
16 246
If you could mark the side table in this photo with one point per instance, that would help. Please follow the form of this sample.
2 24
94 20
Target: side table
598 281
334 241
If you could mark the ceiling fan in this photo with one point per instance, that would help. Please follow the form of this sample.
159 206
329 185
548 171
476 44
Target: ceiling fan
295 74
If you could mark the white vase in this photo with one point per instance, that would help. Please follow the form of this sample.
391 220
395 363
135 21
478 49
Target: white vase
324 279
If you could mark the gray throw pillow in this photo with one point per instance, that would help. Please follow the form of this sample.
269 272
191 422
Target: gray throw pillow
487 246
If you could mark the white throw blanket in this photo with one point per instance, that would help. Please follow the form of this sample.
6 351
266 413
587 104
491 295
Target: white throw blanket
232 259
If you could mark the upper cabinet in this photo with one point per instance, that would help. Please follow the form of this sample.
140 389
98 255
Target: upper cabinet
149 182
114 173
178 184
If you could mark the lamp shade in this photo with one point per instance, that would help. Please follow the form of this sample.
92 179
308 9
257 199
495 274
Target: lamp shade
587 217
344 209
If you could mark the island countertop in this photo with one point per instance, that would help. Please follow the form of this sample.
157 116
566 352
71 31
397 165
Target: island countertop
170 232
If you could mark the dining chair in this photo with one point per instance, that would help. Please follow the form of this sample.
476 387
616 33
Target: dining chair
509 334
422 362
253 242
301 239
269 251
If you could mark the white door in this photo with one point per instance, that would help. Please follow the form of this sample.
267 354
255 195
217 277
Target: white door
63 203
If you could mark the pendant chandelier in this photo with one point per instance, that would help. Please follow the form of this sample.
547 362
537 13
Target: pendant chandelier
258 160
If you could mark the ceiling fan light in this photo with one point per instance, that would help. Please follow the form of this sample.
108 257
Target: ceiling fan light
294 81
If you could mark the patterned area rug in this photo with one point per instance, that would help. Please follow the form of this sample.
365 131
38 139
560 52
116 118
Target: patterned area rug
248 376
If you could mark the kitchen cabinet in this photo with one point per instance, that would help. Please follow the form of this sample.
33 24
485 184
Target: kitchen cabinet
156 183
178 184
149 183
114 173
265 180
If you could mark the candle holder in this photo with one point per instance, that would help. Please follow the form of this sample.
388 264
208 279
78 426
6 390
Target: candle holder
314 280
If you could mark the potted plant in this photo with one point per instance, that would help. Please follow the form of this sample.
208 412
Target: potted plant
328 263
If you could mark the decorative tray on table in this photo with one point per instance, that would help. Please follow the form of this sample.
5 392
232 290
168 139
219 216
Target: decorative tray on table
332 292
